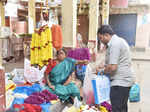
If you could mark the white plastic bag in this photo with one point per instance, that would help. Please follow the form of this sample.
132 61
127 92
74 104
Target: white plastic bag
18 76
87 85
77 103
31 73
101 87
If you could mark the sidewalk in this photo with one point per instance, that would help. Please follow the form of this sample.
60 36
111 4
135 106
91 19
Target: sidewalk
141 65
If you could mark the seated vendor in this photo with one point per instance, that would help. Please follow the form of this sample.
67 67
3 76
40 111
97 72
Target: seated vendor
58 76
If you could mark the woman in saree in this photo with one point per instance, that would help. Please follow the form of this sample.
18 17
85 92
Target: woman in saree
59 74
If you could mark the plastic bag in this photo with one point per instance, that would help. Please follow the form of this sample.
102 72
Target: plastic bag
80 72
31 73
134 95
58 107
87 86
77 103
71 109
18 76
101 87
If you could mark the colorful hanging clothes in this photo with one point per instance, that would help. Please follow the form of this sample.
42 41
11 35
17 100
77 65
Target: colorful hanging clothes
57 36
59 74
41 47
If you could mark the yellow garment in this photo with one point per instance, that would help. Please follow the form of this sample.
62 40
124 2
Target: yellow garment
54 101
103 109
41 47
10 85
73 109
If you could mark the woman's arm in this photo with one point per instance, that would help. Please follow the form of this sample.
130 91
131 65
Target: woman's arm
68 80
49 83
82 62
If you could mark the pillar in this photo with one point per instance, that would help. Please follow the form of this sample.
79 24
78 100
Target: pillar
2 75
69 21
105 12
31 16
2 14
93 23
2 23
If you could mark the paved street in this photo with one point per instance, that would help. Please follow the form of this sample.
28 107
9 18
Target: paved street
142 69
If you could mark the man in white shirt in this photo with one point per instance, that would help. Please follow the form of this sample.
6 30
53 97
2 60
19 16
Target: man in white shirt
118 65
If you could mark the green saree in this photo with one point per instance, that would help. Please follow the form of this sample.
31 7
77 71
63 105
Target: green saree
59 75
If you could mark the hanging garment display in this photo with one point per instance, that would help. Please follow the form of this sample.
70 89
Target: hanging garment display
41 47
57 37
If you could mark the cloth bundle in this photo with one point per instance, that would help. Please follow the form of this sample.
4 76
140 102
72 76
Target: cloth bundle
40 97
57 37
79 54
27 108
28 90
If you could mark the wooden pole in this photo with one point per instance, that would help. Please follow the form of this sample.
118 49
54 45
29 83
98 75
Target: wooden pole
2 14
2 23
93 23
69 22
31 16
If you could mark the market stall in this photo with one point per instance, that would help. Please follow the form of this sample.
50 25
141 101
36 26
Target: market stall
24 88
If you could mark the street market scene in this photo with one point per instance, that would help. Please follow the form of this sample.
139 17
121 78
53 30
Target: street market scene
74 55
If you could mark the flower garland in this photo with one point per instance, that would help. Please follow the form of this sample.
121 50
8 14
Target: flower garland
41 47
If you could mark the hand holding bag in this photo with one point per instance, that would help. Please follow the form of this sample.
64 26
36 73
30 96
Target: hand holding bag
101 88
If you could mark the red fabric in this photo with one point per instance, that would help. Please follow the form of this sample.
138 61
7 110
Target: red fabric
50 66
27 108
57 36
25 84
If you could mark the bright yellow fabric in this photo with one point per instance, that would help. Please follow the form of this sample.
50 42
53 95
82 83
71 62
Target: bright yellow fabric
41 47
103 109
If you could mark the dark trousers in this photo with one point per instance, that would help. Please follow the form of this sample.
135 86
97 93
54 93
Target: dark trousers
119 98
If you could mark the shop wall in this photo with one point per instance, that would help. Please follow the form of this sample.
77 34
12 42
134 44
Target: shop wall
83 27
142 39
124 25
143 31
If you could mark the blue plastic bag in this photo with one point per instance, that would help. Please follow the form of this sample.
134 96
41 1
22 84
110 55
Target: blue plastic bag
134 95
101 87
80 71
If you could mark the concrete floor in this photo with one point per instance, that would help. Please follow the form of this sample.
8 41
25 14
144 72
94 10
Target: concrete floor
142 69
9 66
